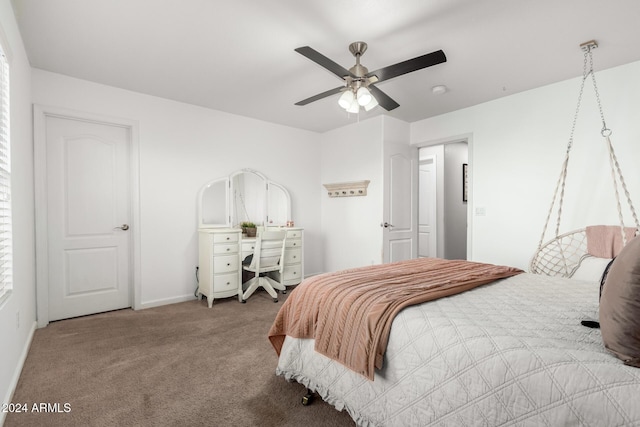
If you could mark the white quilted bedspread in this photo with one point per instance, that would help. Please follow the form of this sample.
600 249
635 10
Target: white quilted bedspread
509 353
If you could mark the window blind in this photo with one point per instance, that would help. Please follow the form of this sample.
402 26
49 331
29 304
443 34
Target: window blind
6 247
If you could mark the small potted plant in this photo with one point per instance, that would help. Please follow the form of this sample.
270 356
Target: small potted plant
248 228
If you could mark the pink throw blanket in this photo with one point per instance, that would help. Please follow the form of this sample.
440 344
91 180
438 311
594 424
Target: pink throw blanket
349 313
605 241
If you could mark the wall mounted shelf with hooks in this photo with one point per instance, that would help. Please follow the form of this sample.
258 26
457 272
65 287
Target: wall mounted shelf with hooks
347 189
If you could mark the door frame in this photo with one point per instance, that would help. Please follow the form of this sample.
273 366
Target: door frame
468 138
40 114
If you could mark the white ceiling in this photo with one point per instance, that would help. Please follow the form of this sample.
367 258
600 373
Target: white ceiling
238 55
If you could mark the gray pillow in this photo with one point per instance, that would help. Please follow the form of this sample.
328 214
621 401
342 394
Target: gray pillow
620 305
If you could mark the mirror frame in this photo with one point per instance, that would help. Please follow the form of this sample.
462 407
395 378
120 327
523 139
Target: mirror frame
267 222
228 180
201 194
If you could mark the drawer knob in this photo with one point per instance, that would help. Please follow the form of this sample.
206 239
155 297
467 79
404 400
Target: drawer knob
228 249
228 263
228 283
294 257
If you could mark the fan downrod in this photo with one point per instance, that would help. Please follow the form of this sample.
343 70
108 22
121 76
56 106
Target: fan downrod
358 49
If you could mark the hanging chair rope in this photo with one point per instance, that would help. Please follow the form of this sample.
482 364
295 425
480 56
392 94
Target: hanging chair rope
560 185
615 167
565 247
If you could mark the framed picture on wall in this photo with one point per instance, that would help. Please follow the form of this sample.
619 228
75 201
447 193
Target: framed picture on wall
465 182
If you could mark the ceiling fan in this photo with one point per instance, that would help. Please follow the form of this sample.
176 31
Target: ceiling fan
359 89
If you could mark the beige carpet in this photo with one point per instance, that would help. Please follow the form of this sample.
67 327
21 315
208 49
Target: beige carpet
177 365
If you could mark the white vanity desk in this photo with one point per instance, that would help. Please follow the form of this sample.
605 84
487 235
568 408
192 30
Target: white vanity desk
221 251
245 195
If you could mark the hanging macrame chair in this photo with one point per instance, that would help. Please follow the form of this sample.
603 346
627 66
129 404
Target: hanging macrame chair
562 255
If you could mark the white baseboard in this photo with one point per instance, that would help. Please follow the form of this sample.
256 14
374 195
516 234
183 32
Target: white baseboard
18 371
182 298
166 301
306 276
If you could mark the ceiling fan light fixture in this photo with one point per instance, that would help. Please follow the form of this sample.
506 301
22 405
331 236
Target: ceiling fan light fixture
364 96
346 99
372 104
353 108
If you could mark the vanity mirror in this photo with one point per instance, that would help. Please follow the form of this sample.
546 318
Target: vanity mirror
245 195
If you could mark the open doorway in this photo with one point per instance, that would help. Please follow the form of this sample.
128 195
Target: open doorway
442 201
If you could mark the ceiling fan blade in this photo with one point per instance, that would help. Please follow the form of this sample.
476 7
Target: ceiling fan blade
320 96
383 99
409 66
323 61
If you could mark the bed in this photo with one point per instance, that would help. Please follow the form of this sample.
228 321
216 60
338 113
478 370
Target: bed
510 352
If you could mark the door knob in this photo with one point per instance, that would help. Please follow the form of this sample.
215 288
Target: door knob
386 225
124 227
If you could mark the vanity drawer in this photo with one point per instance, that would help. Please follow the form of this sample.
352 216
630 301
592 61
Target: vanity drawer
225 264
248 247
293 243
225 237
225 282
294 234
225 248
293 256
292 272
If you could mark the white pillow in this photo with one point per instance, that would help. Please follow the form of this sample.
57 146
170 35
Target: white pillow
591 269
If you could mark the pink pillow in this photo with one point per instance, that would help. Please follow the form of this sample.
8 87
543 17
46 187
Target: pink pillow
620 305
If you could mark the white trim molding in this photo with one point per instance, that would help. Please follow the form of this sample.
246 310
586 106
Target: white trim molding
16 375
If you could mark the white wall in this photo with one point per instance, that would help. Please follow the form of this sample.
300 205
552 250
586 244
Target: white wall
14 340
182 147
519 144
351 230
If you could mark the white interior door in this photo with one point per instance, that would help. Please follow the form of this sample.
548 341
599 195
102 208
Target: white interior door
400 202
427 208
88 216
